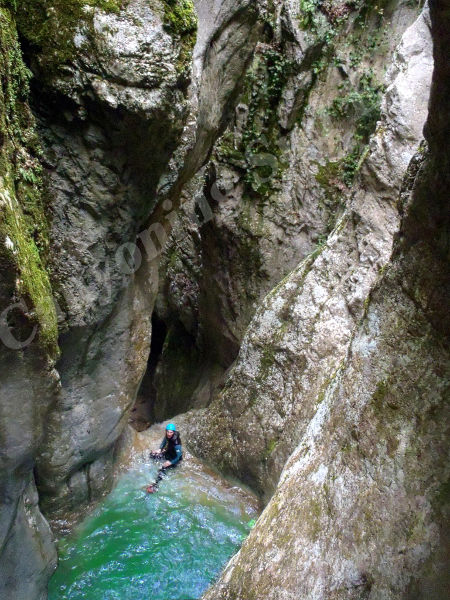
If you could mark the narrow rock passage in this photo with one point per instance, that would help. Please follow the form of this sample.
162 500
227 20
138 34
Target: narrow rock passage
164 546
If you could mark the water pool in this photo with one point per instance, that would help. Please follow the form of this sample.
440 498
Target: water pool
164 546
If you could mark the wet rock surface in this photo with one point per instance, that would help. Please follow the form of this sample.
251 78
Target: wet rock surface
368 498
301 333
277 182
229 208
111 99
107 152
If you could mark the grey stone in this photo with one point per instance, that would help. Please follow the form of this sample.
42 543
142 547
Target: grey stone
301 332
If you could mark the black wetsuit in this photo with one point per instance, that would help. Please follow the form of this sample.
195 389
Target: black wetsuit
172 451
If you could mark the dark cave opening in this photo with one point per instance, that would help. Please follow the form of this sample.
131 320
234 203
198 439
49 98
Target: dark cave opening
142 414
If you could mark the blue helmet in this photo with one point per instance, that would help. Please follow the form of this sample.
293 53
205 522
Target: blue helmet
170 427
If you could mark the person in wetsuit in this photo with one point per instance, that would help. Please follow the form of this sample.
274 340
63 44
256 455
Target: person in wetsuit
170 450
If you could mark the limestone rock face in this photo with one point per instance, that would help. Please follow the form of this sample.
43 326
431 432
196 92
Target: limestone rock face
361 506
361 509
27 552
119 105
301 333
28 333
277 182
253 193
106 152
129 135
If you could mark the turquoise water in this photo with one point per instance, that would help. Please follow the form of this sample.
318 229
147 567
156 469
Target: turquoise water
164 546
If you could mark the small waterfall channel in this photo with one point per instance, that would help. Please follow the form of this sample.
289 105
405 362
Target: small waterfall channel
165 546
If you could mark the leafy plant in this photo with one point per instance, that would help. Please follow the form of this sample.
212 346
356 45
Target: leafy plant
308 14
361 104
258 151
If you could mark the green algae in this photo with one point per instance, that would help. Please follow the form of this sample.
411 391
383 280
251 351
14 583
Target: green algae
180 17
180 20
50 27
269 448
24 228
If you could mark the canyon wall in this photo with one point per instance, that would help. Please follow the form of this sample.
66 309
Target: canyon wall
361 508
249 181
278 180
302 330
28 331
117 104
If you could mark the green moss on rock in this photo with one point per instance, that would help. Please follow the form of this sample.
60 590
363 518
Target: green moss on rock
180 20
312 518
179 17
443 494
264 86
269 448
379 394
330 178
23 224
266 361
50 26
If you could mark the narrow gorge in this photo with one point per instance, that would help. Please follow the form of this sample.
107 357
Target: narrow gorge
233 214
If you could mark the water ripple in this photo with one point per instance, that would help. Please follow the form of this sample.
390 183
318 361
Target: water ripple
162 546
